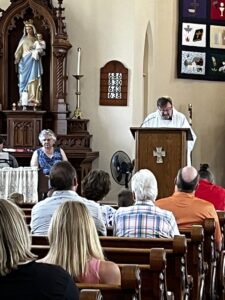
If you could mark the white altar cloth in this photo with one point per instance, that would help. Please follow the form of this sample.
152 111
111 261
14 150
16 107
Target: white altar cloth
22 180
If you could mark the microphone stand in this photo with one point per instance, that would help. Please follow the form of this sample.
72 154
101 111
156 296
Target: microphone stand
190 113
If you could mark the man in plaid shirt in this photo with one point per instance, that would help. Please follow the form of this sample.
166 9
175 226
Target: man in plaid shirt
144 219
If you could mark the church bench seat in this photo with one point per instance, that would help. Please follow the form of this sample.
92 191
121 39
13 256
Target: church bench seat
90 294
39 239
194 254
129 289
27 219
27 211
209 257
153 270
221 258
178 281
195 264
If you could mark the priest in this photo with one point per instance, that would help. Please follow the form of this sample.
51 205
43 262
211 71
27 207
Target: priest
167 116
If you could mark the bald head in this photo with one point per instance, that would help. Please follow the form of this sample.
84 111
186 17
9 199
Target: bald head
187 179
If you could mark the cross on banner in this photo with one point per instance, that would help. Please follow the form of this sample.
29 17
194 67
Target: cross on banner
159 153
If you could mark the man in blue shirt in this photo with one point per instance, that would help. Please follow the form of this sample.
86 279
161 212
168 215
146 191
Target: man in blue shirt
63 180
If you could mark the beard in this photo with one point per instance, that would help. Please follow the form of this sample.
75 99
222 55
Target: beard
166 117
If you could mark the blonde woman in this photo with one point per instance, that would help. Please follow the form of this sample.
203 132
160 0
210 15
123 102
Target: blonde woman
22 278
75 246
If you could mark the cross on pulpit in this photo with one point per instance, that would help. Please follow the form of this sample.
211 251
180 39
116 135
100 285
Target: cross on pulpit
159 153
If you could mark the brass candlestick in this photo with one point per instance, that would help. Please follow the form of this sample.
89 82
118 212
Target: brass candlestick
77 112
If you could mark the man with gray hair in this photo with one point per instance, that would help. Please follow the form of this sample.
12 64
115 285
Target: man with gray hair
187 208
144 219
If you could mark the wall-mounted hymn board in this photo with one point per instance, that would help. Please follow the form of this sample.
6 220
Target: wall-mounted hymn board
113 84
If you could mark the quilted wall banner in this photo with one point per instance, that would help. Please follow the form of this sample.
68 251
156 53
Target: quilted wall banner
201 40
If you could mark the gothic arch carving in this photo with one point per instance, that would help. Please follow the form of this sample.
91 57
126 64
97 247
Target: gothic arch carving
49 21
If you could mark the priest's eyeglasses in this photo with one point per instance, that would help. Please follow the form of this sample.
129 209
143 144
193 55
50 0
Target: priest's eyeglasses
168 109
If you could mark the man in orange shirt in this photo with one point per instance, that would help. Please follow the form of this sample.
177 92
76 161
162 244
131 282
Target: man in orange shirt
187 208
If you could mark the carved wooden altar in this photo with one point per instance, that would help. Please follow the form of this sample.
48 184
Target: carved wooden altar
21 128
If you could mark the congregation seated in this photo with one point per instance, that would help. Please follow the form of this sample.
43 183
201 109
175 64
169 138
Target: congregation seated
125 198
187 208
144 219
21 277
63 180
208 190
75 245
95 186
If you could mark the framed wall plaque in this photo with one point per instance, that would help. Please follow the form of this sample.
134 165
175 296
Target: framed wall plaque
113 84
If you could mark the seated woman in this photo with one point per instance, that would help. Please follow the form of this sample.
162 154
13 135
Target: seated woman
22 278
208 190
95 186
46 156
75 246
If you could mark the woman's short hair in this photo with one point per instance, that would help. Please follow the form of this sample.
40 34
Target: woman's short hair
144 185
96 185
15 241
73 238
46 133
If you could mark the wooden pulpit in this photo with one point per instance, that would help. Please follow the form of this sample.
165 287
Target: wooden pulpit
163 151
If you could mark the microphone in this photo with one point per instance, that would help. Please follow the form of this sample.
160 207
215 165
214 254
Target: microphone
145 121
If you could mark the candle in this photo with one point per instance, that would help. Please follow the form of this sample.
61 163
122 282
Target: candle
78 60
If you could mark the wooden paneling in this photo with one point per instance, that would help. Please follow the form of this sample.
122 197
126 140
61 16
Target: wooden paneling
173 142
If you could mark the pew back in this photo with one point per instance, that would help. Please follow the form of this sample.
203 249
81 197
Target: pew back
153 274
90 294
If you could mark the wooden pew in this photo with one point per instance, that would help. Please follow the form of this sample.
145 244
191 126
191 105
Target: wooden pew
195 264
27 211
39 239
90 294
27 219
221 259
177 283
26 205
153 272
129 289
209 256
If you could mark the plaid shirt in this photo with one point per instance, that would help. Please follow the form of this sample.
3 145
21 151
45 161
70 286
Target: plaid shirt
144 219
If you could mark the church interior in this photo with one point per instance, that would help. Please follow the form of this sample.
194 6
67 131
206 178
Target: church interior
143 37
82 42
